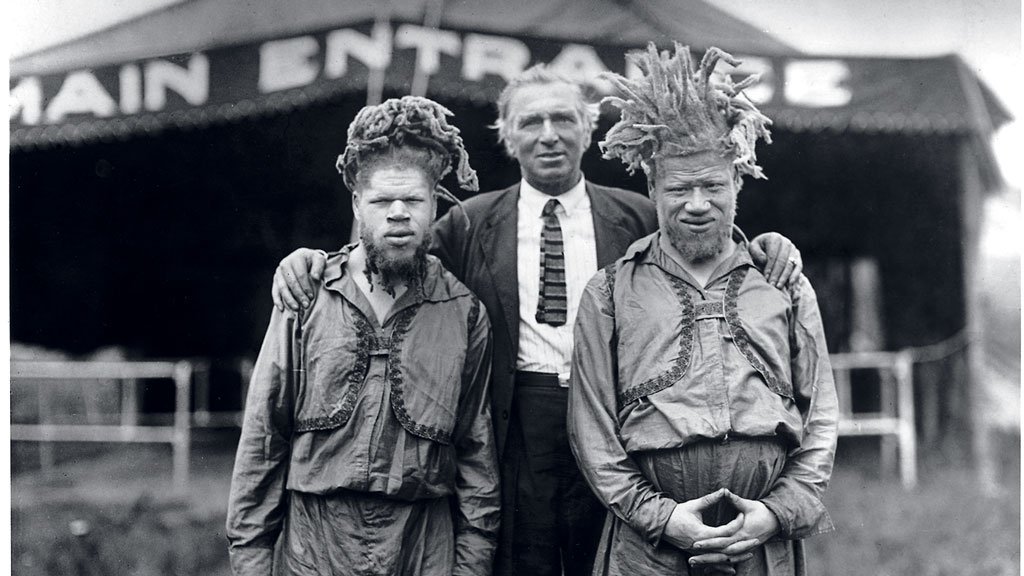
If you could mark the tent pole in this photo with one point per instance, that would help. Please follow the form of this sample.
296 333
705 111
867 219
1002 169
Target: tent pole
432 19
375 80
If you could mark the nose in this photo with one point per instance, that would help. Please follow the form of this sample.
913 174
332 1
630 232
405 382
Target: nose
398 211
547 132
698 202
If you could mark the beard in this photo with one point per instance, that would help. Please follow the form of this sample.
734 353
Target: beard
393 270
700 247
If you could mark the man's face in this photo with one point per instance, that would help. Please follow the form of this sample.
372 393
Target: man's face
547 136
395 207
695 197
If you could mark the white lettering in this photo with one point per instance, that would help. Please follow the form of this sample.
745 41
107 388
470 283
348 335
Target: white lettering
287 63
374 51
81 93
817 83
27 100
192 83
131 89
429 44
763 90
499 55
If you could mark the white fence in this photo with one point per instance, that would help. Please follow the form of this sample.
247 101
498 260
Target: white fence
126 375
894 422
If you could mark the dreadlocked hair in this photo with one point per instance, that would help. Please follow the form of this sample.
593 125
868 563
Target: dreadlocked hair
672 110
412 130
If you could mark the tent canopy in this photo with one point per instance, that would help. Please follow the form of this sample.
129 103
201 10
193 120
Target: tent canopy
204 61
204 24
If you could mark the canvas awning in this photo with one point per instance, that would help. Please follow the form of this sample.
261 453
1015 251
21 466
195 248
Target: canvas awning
202 61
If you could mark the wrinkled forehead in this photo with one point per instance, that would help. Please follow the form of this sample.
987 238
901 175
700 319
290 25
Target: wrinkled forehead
543 99
395 179
705 165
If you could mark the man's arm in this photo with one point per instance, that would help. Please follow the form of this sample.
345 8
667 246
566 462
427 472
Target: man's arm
778 259
476 481
594 436
298 275
297 279
256 505
796 497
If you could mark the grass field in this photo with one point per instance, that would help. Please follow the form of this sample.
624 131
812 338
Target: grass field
122 498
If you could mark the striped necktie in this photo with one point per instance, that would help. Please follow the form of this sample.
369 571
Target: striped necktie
551 309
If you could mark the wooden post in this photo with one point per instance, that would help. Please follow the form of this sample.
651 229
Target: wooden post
202 377
182 425
889 384
907 434
972 203
46 459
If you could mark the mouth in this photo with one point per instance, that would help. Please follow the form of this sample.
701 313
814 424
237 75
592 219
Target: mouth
551 156
399 238
698 226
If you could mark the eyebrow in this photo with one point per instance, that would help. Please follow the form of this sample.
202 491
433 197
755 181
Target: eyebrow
551 113
689 181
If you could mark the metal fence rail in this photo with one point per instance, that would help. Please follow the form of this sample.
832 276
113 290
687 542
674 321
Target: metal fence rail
894 422
126 374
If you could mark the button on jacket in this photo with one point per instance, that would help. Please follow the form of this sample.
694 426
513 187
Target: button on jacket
339 402
662 362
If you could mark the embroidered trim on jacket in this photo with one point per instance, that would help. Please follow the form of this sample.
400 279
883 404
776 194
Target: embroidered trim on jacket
742 340
394 376
474 316
708 309
682 362
366 341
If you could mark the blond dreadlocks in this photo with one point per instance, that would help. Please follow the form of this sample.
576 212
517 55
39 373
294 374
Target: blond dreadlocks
408 122
673 110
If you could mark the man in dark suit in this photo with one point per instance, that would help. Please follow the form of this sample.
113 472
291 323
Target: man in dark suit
528 253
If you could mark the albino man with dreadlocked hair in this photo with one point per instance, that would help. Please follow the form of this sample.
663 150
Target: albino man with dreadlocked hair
702 412
367 445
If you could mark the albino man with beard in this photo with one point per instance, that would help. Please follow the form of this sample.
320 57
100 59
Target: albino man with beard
702 410
367 446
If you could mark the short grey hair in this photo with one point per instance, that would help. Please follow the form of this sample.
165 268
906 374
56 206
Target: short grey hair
542 75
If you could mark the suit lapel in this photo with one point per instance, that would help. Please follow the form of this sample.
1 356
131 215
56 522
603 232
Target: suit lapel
610 234
500 241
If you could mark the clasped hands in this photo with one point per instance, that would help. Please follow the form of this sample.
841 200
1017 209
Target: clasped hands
719 548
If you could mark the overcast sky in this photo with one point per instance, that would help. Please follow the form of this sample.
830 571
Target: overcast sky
987 33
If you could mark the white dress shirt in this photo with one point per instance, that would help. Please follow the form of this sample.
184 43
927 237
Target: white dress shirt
542 347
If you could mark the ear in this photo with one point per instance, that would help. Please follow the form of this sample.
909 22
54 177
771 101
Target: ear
510 148
652 176
355 205
737 179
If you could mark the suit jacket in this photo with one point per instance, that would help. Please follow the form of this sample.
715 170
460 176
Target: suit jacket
484 259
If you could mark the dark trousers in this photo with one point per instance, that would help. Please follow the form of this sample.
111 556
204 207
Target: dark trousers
551 521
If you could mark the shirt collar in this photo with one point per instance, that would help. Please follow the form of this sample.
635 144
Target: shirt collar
438 285
571 200
647 250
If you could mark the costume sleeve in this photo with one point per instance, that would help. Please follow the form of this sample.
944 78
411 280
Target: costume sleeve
256 505
476 484
796 497
593 423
